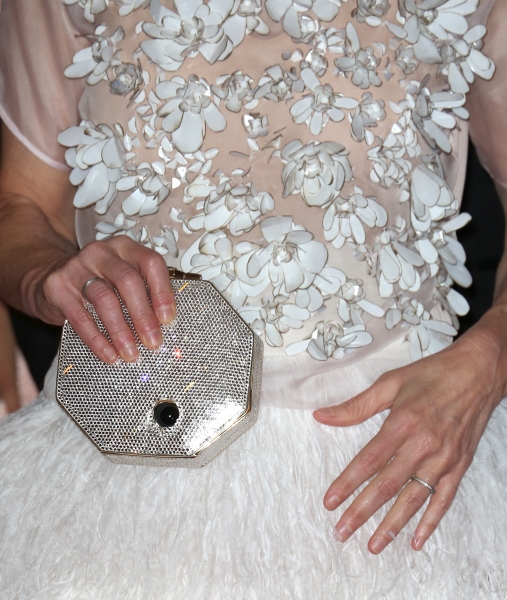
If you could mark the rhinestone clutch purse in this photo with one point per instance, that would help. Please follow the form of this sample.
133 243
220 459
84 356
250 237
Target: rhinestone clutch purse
179 405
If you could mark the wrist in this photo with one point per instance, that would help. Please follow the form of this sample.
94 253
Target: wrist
34 300
488 339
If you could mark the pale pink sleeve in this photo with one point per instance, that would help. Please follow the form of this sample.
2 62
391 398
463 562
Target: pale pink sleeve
487 100
37 42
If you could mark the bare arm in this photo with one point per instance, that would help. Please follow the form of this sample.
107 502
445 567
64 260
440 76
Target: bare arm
43 271
501 274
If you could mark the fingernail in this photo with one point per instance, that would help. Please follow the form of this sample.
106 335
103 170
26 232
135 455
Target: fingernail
342 533
167 313
110 354
332 502
129 353
153 338
325 412
418 543
377 545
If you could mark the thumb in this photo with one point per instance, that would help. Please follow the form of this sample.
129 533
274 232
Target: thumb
375 399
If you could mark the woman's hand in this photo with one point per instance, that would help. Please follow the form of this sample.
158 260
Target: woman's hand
125 265
439 408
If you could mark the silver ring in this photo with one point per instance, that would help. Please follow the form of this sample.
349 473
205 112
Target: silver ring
426 485
89 282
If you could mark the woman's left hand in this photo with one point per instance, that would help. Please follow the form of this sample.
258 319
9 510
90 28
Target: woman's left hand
439 408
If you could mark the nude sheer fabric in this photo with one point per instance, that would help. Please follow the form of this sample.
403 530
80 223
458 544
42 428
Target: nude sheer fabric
37 42
37 102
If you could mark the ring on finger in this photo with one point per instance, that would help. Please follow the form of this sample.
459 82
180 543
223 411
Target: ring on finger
89 282
424 483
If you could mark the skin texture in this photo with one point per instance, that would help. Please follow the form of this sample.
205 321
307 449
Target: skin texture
438 406
43 271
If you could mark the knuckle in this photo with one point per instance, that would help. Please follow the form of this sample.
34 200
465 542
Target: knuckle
356 516
121 242
406 421
104 297
429 443
79 319
154 261
414 501
370 463
443 502
94 249
386 489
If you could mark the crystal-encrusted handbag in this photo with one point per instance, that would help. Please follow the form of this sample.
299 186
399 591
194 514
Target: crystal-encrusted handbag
179 405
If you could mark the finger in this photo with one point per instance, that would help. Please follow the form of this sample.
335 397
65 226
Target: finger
372 458
386 485
86 328
108 308
375 399
411 499
439 504
154 271
132 289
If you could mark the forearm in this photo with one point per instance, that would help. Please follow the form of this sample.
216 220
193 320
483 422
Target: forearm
489 335
30 247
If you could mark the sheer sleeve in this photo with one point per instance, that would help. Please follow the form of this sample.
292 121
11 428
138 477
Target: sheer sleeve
487 100
37 41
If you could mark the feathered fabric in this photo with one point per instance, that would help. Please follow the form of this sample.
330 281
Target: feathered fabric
250 525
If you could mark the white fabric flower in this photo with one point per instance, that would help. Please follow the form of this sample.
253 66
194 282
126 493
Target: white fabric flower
427 335
366 115
289 10
97 158
212 256
240 18
235 207
362 63
317 171
167 242
392 159
343 220
352 302
394 263
315 61
150 190
288 257
370 11
440 247
195 28
128 6
277 84
323 104
331 340
451 300
431 198
236 90
255 127
433 112
187 111
463 60
94 61
90 7
122 225
405 59
424 20
274 317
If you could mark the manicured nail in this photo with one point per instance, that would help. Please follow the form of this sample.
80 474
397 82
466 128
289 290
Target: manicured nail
418 543
342 533
377 545
153 338
332 502
110 354
325 412
167 313
129 353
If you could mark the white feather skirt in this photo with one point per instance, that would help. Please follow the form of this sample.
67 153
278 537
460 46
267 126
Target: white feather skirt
250 525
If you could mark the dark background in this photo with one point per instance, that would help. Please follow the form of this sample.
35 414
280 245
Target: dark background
482 239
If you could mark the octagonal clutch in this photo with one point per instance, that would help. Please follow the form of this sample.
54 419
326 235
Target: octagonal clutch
179 405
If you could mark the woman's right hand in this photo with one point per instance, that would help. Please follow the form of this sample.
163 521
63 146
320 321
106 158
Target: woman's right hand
126 265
